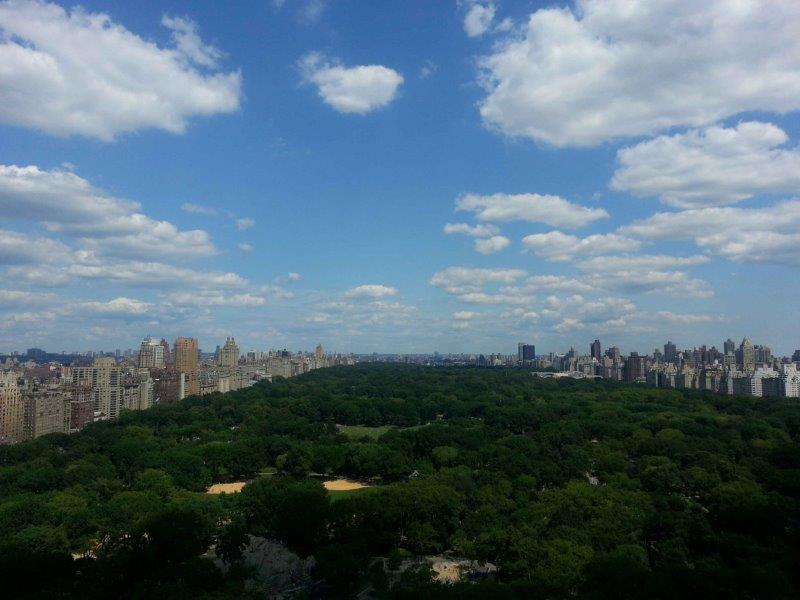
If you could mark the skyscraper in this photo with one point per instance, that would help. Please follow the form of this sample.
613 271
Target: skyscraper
151 354
747 355
670 353
166 352
526 352
229 354
596 350
729 346
186 363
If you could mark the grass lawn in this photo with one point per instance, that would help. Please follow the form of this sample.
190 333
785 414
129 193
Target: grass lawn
356 432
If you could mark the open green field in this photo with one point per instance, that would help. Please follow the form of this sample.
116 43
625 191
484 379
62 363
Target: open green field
356 432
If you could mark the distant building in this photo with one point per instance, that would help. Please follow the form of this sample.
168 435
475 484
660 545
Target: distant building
729 346
229 354
670 353
104 377
595 350
151 354
635 368
747 355
12 410
46 411
186 362
525 352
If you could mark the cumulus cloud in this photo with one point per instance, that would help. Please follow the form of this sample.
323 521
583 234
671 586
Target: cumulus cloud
371 291
492 244
559 246
769 234
463 280
647 273
17 298
535 208
66 203
470 230
75 72
21 249
359 90
123 307
710 167
131 273
478 19
244 247
613 68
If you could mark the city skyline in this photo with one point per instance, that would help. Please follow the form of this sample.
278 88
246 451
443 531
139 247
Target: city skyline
407 179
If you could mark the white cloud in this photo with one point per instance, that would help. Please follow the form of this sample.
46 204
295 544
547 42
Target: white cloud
710 167
198 209
536 208
478 19
464 280
16 298
312 12
769 234
472 231
80 73
371 291
428 69
492 244
290 277
244 223
464 315
117 307
210 298
642 261
189 44
360 89
131 273
244 247
647 273
66 203
685 318
615 68
20 249
559 246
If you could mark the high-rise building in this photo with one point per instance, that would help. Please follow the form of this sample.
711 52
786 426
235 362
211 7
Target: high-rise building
186 362
46 411
670 353
151 354
526 352
747 355
729 346
635 367
596 350
166 352
105 379
12 410
229 354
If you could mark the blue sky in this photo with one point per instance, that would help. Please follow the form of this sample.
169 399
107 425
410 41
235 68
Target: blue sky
283 172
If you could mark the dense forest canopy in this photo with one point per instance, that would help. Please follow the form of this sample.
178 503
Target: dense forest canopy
571 488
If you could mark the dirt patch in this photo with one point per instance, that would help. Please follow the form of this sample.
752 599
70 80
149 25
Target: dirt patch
226 488
342 485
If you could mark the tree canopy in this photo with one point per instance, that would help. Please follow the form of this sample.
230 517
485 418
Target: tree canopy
571 488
